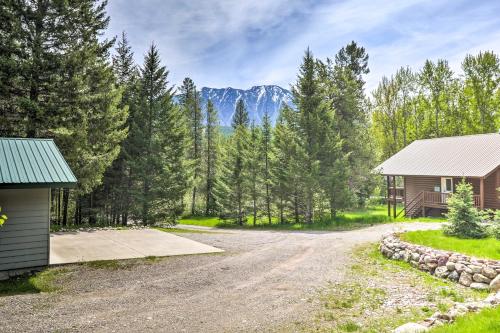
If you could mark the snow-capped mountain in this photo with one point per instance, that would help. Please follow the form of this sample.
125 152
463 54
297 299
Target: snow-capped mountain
258 100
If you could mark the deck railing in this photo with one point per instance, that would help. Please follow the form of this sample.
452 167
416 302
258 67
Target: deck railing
441 199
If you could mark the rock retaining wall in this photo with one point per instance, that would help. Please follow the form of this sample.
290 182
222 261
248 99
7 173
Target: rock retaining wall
468 271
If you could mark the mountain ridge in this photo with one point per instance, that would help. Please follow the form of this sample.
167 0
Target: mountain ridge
258 100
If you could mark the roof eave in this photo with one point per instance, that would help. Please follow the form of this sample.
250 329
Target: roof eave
37 185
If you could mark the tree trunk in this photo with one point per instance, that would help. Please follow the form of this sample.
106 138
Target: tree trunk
65 207
296 207
193 202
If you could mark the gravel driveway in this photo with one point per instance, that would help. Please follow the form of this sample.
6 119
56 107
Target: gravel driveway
262 282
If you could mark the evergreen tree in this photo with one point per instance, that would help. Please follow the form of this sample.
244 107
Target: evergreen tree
463 216
115 193
240 117
154 107
286 166
255 170
233 192
190 100
307 97
347 113
266 155
61 86
212 153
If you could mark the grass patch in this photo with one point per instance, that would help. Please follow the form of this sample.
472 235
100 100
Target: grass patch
482 248
486 321
348 220
379 295
183 231
45 281
204 221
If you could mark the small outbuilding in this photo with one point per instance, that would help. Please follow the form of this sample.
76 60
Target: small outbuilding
430 169
29 168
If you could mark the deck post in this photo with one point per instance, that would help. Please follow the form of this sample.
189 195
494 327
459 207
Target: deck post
388 196
394 202
481 193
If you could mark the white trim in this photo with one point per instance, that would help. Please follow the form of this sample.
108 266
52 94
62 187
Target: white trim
444 189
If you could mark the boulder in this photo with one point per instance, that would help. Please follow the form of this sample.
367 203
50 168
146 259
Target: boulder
450 266
441 272
475 269
489 272
411 328
479 286
454 276
495 284
442 260
465 279
415 256
460 267
481 278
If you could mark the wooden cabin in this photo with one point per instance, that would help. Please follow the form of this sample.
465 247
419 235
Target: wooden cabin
429 171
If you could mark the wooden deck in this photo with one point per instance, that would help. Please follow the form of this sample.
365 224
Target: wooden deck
440 200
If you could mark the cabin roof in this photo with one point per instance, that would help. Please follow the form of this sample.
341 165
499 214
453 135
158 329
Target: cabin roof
26 163
458 156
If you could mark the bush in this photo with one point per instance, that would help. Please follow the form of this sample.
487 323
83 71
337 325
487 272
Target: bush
464 218
494 229
3 218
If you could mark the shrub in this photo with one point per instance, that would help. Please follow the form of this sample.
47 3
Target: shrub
3 218
494 228
464 218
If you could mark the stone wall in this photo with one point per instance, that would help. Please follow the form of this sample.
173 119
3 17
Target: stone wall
468 271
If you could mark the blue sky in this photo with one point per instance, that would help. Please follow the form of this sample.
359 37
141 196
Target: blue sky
241 43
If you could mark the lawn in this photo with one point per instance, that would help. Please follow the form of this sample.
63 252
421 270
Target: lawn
482 248
352 219
44 281
486 321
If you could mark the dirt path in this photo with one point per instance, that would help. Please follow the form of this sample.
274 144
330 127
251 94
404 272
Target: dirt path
263 280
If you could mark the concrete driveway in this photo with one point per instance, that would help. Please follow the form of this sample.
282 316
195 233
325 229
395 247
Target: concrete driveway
83 246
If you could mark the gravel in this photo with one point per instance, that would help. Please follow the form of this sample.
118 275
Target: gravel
263 281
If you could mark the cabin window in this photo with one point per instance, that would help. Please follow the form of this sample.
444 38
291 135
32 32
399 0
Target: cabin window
446 185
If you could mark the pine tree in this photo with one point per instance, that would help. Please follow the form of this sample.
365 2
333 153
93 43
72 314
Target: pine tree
255 170
266 155
115 193
154 102
173 178
347 118
190 100
240 117
212 153
233 193
307 97
287 166
463 216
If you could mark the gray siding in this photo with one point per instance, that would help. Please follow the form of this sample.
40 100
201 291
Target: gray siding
24 238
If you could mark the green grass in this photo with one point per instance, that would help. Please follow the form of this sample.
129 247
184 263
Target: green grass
486 321
357 303
348 220
181 231
44 281
483 248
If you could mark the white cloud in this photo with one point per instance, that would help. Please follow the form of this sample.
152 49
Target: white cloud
243 43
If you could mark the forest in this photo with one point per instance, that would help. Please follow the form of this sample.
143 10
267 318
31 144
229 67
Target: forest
143 156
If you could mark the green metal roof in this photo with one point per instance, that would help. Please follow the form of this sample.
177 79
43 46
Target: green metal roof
26 163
